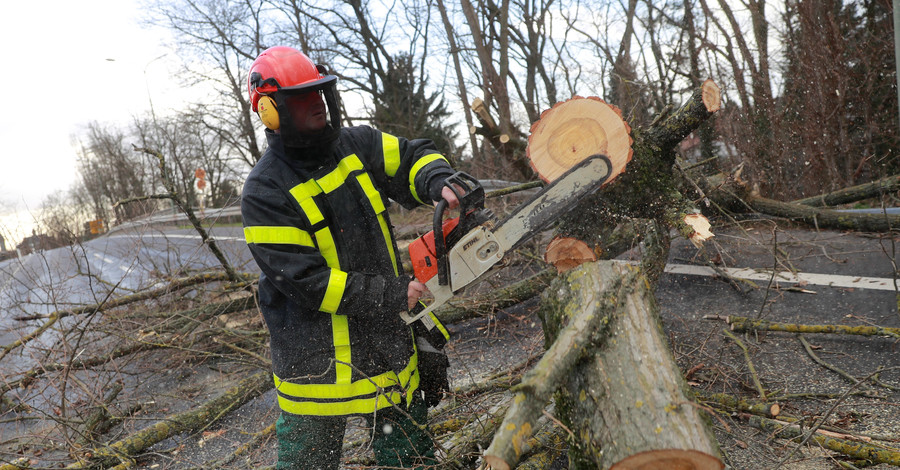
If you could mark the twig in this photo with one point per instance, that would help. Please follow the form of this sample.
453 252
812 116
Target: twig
774 270
514 189
753 375
835 369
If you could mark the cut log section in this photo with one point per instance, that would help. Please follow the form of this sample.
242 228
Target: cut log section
626 403
576 129
565 253
711 96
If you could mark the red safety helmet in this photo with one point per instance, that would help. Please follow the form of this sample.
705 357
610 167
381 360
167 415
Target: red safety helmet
281 72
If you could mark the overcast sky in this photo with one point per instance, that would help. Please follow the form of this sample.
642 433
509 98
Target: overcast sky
66 64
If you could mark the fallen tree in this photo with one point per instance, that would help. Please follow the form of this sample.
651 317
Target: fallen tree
624 409
621 393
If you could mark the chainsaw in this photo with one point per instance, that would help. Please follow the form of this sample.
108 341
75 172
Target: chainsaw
458 251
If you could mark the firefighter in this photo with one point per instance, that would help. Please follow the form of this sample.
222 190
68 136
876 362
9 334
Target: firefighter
332 284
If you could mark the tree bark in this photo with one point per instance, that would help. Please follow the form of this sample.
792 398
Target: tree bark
591 313
730 193
741 324
853 193
626 401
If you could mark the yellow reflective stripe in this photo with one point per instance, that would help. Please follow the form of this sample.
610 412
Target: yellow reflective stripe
327 248
278 235
440 326
390 147
336 177
418 166
378 206
337 282
388 241
304 193
371 193
340 332
408 379
359 406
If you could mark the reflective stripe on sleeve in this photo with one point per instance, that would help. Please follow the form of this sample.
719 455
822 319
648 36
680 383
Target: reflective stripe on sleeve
327 248
390 147
415 170
337 282
278 235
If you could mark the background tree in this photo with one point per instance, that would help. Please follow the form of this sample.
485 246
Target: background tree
404 108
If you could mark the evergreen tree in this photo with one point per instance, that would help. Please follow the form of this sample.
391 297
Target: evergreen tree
405 108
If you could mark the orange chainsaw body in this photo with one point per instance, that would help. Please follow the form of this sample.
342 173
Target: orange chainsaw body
422 252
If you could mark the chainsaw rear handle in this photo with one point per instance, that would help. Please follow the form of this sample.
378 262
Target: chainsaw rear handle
470 194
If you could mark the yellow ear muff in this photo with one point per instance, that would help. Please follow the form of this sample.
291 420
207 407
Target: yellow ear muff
268 112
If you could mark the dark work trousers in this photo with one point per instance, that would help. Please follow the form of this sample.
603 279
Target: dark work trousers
314 442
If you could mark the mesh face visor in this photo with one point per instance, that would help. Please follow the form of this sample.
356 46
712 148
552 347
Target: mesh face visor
327 88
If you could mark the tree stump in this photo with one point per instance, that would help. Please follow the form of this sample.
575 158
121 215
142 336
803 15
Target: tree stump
565 253
626 401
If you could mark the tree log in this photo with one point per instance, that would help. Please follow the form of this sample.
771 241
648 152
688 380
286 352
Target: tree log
853 193
855 449
574 130
591 311
626 402
728 192
741 324
190 420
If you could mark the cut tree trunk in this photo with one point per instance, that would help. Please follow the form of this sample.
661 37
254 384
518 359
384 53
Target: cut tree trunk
565 253
574 130
648 188
626 402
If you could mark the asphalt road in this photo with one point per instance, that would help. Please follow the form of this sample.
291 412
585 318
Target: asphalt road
122 262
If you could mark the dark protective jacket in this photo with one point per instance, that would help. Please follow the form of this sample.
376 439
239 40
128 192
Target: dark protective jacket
332 283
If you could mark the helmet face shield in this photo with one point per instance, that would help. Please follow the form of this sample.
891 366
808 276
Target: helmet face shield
300 105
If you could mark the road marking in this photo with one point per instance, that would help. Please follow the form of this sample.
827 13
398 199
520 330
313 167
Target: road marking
126 268
764 274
